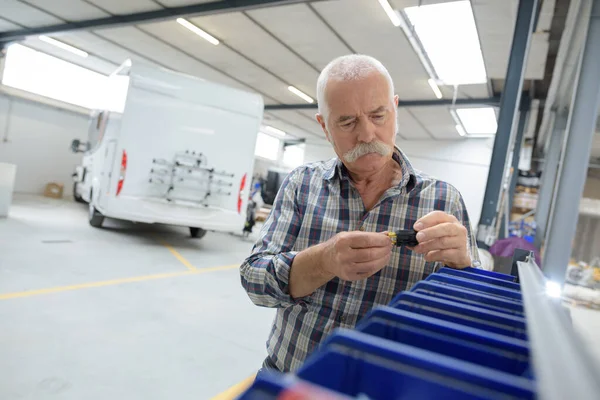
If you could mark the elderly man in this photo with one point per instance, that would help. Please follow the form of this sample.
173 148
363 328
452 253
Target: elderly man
323 258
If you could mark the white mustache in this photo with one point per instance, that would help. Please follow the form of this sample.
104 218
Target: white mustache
367 148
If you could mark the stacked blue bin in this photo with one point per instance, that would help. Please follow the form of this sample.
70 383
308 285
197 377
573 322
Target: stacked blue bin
459 334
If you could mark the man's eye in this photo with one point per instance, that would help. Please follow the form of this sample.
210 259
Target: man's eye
378 117
347 124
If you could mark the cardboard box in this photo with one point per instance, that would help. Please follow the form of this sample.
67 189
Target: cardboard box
54 190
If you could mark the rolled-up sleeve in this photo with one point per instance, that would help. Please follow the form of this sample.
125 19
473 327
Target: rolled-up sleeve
265 274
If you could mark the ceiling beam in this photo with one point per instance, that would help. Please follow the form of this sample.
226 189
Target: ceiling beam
489 101
196 10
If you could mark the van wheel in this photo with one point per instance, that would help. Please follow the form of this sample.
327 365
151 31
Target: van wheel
96 219
197 233
77 197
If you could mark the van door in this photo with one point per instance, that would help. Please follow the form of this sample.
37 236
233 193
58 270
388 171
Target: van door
106 176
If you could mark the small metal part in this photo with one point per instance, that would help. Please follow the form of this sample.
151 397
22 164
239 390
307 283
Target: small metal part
405 237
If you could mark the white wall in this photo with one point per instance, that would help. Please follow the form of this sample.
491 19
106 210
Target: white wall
318 151
462 163
37 138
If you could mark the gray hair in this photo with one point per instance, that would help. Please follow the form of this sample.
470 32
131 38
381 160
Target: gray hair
347 68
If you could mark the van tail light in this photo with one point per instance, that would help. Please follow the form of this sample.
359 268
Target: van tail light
122 172
240 200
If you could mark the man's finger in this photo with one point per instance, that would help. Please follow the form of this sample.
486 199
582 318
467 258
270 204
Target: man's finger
450 257
441 230
432 219
443 243
369 253
362 240
369 268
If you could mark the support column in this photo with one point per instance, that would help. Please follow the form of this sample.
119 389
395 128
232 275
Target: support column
551 160
575 159
511 96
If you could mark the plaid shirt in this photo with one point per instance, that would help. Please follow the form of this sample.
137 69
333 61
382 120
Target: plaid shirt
315 202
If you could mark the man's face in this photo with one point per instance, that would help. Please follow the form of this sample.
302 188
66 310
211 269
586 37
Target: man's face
361 123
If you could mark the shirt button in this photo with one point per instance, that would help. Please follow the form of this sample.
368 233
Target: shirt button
362 228
342 318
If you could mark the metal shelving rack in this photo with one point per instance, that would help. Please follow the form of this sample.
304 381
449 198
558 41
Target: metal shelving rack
459 334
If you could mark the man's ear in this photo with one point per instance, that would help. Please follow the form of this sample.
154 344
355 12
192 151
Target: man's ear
321 121
396 98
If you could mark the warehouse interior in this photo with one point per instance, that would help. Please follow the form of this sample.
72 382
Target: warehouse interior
499 98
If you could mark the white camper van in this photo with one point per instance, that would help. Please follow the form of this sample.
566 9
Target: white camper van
181 153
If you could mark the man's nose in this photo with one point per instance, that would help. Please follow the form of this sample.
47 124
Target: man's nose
366 130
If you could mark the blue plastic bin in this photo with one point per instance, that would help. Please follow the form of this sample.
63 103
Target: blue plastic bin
481 278
475 286
492 274
355 363
466 350
270 386
470 297
451 329
460 313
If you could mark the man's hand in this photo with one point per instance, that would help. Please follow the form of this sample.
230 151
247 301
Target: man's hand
443 238
356 255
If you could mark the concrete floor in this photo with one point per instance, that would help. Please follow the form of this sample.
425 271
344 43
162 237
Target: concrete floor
188 336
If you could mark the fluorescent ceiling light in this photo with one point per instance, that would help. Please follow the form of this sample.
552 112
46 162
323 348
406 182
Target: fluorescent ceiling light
448 34
390 12
478 121
300 94
187 24
460 130
435 88
63 46
275 131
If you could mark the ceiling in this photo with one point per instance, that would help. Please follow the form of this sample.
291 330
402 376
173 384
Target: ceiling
266 50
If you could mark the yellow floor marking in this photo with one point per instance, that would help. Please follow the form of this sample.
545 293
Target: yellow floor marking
178 256
112 282
235 390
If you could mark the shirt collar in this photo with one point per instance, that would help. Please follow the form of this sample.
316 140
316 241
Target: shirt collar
337 168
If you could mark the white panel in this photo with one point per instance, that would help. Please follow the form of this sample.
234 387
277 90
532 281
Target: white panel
90 62
39 141
242 34
293 123
466 91
130 37
176 3
70 10
366 27
95 44
121 7
301 120
436 120
23 14
298 27
452 161
495 23
221 58
310 113
6 26
409 127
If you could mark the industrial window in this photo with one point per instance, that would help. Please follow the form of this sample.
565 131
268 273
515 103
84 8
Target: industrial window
36 72
293 156
267 146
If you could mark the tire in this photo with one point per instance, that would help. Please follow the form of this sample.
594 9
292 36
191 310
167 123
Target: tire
197 233
77 197
96 219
